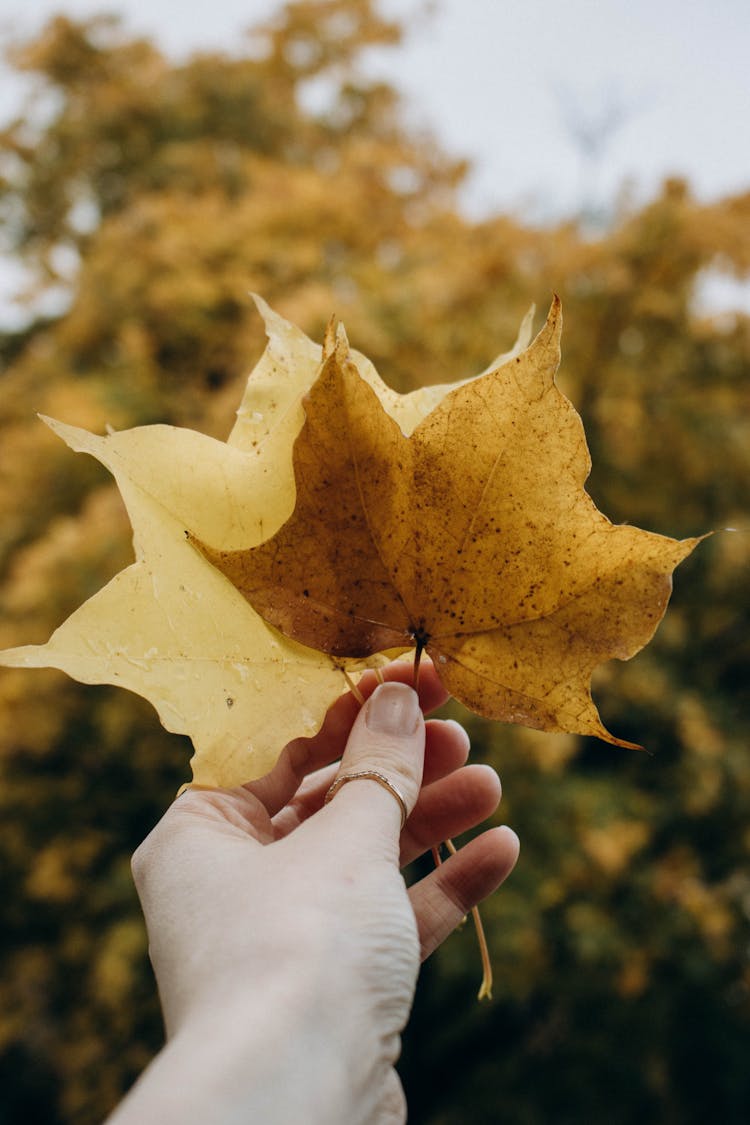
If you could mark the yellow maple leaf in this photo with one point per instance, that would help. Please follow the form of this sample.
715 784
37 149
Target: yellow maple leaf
169 627
472 538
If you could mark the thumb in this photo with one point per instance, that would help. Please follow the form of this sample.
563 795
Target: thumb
387 739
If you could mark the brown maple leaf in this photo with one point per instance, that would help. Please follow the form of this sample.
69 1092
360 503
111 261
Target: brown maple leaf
473 539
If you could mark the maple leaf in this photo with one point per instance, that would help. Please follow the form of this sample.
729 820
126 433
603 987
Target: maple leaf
169 627
472 538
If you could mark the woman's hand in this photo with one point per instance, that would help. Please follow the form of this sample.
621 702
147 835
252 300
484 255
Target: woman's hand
285 943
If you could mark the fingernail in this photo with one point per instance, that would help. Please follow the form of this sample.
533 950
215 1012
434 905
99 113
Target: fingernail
393 709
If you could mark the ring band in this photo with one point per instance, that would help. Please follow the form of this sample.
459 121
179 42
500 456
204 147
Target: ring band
369 775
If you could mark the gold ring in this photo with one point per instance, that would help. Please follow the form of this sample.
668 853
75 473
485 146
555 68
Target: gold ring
369 775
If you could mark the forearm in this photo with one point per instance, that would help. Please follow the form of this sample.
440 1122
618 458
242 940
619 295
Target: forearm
283 1054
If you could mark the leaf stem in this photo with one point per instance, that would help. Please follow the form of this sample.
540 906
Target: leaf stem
353 688
417 659
485 988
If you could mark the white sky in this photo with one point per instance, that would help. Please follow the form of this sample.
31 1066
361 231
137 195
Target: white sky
492 78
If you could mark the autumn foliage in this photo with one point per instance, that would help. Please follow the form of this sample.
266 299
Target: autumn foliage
157 195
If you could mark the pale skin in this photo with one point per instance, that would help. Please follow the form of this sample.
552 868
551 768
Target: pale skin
284 940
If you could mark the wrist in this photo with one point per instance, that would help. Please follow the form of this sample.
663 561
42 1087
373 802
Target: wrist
286 1050
275 1051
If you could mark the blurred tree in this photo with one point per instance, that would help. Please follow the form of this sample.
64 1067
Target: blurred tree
156 195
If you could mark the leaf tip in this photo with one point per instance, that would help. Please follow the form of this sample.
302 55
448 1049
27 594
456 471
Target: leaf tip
329 338
543 353
278 329
262 306
554 316
623 742
342 340
335 340
78 439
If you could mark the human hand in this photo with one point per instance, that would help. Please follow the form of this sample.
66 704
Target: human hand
284 941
